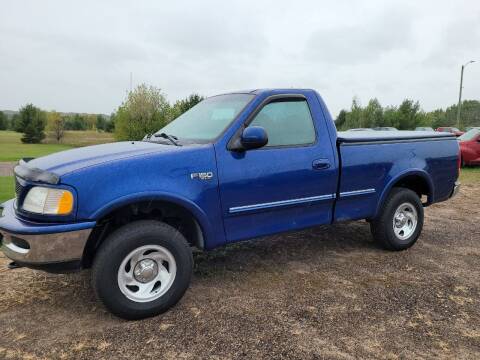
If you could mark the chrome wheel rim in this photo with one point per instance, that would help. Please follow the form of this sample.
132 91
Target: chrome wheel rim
405 221
147 273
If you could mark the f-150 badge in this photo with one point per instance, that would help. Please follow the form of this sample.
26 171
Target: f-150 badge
202 175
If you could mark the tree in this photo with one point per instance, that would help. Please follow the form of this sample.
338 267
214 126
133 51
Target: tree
354 116
3 121
341 118
184 105
78 122
110 124
373 114
144 111
408 114
100 122
15 123
32 122
56 124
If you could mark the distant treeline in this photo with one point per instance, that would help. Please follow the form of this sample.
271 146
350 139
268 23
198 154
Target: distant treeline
71 121
408 115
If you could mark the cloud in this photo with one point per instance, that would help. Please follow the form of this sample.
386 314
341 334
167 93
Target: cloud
78 56
364 41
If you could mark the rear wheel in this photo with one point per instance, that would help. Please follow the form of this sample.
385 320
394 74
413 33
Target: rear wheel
142 269
400 220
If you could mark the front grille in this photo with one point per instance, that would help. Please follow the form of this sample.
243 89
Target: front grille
18 188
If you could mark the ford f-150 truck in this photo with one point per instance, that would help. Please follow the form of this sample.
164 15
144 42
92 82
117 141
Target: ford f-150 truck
236 166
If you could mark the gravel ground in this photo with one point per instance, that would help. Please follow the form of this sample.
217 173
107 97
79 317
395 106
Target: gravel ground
327 292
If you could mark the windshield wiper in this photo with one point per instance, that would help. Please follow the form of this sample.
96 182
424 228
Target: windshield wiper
173 139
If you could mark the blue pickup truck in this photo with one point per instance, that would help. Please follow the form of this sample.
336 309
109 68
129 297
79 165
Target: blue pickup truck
236 166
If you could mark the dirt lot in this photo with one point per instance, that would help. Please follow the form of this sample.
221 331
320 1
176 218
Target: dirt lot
327 292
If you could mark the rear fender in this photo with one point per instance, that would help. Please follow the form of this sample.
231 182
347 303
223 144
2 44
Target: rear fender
398 178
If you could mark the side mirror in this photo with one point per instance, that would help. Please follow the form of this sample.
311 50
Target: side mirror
253 137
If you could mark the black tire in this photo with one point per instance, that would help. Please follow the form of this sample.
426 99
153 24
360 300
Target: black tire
116 248
382 227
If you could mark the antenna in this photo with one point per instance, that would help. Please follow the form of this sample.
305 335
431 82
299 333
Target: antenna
131 81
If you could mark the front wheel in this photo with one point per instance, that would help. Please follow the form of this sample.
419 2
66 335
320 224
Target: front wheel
400 220
142 269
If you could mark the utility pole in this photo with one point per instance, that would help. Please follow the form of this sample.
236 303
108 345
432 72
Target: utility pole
459 107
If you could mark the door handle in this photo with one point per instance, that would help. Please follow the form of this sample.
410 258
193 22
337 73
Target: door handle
321 164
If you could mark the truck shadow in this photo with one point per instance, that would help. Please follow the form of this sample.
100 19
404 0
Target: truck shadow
312 244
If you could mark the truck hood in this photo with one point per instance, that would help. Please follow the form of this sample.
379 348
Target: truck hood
72 160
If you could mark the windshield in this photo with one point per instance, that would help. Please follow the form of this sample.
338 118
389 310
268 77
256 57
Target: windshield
206 121
469 135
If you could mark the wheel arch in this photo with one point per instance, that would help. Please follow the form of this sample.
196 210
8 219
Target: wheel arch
181 213
418 181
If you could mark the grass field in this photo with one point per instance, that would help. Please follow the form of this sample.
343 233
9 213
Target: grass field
7 188
12 149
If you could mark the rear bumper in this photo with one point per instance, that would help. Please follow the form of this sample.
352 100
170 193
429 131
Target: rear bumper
50 247
456 188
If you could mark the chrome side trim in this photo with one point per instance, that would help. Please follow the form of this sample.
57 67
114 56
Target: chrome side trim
46 248
238 209
357 192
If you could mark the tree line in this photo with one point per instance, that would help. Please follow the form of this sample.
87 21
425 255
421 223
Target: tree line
144 111
33 122
407 116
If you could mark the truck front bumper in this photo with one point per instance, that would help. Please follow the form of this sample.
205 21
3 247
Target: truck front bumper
50 247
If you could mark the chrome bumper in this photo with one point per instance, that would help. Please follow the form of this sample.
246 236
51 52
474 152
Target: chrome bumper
45 248
456 188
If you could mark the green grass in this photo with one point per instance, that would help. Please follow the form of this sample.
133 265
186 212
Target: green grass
7 188
470 175
12 149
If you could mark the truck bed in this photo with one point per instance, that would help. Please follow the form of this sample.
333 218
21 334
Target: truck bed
372 161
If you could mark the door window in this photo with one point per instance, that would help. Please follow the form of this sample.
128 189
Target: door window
287 123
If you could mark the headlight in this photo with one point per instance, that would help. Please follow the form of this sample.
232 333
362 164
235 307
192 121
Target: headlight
42 200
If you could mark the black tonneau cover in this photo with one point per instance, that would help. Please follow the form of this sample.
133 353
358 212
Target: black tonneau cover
371 136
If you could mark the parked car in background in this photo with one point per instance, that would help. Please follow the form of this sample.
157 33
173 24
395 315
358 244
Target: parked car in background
451 130
470 147
385 128
424 128
360 129
468 128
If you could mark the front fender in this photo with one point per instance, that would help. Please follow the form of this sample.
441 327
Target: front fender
200 216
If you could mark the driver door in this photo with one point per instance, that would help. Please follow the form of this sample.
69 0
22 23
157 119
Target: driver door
288 184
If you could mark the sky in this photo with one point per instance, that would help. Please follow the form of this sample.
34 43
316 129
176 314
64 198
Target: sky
78 56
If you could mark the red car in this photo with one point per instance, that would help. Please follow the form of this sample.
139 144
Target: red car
449 129
470 147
